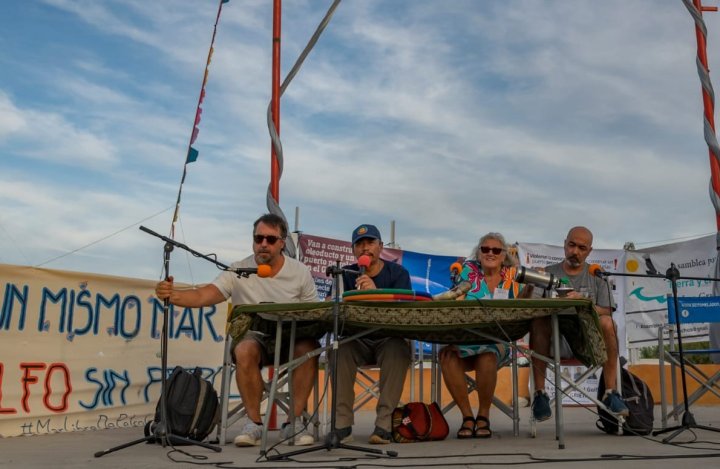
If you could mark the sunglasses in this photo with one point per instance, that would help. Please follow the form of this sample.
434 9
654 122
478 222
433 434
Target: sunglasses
486 249
271 239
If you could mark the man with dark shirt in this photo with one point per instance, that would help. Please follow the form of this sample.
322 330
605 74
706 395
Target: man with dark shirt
391 354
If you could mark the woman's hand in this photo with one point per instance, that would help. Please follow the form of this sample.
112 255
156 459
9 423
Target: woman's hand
527 291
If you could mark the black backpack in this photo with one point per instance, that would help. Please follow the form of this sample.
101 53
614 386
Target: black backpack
638 399
192 407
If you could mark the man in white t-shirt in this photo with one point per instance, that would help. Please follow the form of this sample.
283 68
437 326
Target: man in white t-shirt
289 281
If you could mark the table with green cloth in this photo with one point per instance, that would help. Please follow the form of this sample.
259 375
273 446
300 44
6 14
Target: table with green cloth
446 322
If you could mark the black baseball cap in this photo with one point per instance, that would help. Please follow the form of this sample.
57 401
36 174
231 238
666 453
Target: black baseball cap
365 231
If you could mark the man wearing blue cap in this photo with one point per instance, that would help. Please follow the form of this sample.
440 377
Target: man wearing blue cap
391 354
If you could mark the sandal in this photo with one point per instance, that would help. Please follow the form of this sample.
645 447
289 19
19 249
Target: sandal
466 432
484 431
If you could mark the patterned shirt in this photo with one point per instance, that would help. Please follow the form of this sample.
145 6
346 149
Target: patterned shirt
472 272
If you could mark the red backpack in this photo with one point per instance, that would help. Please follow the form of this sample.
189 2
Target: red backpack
417 421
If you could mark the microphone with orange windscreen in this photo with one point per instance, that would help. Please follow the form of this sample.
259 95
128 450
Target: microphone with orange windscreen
363 263
262 270
455 269
597 271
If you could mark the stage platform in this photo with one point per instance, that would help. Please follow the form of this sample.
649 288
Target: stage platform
586 447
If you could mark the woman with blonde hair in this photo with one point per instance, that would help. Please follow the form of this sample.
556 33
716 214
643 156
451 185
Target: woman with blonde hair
490 271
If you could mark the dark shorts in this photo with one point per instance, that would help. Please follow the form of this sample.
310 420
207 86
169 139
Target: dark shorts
267 348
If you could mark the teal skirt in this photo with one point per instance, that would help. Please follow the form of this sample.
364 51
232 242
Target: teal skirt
502 352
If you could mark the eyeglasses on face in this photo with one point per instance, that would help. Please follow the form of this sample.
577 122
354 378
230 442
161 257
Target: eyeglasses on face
271 239
487 249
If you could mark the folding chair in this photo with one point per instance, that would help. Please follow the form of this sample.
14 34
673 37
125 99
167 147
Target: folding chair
572 383
371 387
707 383
417 366
283 396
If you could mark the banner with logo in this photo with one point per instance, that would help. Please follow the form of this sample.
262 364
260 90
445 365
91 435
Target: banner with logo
428 273
694 309
82 351
646 297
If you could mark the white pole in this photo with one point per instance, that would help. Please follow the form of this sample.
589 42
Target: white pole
392 234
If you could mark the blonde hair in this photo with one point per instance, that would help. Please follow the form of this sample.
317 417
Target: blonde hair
508 261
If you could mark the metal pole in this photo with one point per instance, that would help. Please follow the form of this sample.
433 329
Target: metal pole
274 163
275 104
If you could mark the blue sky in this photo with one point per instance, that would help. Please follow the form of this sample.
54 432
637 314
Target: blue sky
452 118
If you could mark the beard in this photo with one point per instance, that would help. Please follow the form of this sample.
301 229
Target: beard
573 261
262 257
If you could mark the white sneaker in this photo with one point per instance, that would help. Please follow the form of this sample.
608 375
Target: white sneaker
250 436
303 436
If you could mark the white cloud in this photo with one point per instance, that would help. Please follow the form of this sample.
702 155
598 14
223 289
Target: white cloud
11 119
50 137
452 118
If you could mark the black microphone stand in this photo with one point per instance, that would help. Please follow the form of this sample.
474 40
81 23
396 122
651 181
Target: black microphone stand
161 432
332 439
688 420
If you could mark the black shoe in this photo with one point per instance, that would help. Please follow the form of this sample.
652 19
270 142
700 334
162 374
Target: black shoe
344 434
541 406
380 437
